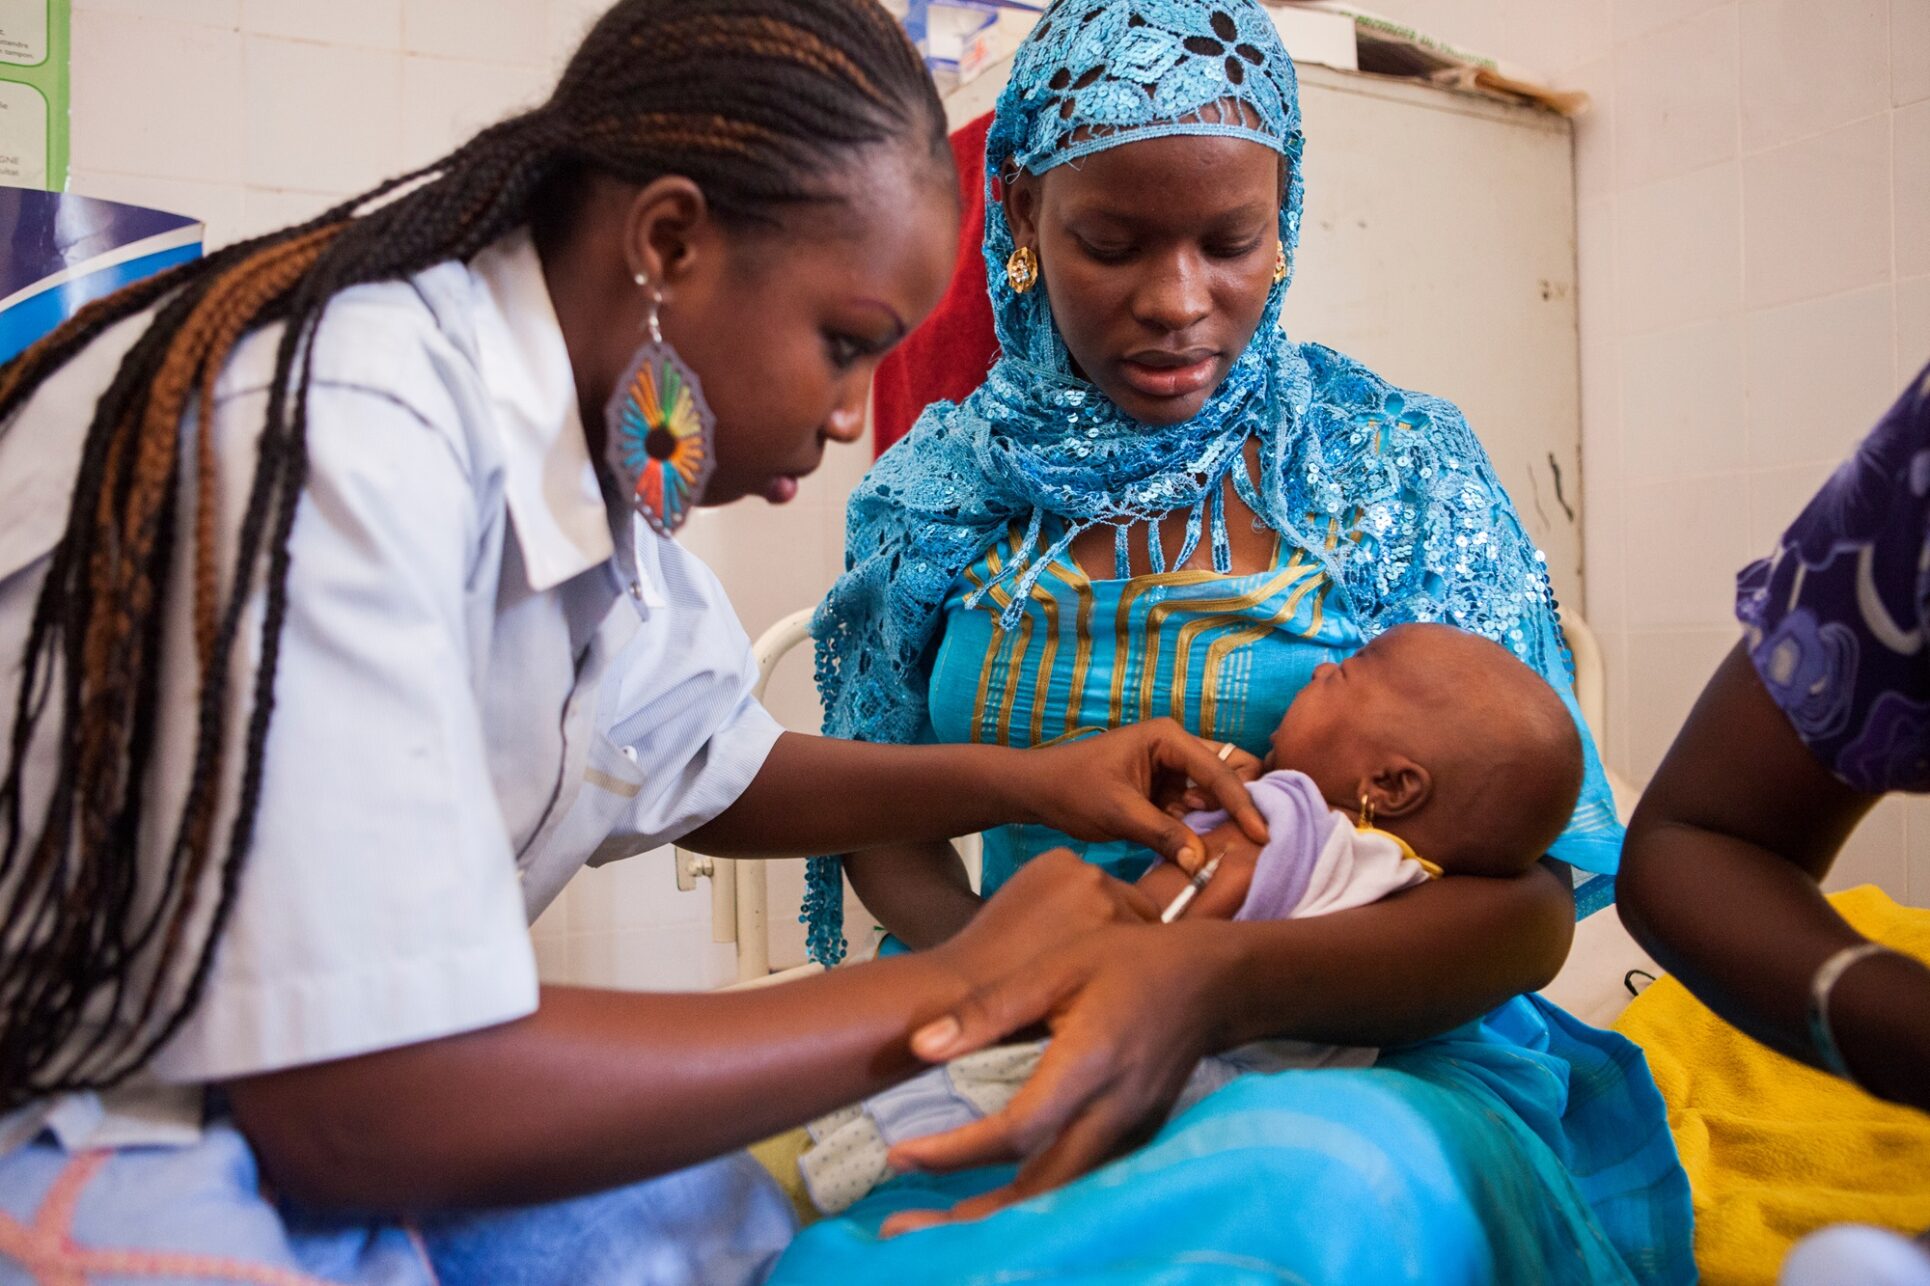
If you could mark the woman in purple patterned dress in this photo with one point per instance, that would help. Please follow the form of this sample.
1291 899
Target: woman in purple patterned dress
1821 710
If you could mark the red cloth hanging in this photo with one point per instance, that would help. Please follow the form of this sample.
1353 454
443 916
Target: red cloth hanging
949 353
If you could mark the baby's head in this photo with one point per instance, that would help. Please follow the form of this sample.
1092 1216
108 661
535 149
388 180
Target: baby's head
1462 750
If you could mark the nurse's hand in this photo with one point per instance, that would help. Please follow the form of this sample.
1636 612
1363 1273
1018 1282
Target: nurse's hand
1131 1009
1121 784
1245 766
1054 898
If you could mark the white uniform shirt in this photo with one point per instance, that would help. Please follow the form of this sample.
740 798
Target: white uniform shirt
479 690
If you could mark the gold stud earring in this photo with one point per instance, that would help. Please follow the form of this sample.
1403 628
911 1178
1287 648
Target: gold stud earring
1022 270
1366 811
1280 262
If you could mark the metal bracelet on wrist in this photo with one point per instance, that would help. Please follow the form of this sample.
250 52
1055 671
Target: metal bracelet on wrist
1821 1038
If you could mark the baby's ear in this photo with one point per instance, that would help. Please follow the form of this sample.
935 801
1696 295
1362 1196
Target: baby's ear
1400 787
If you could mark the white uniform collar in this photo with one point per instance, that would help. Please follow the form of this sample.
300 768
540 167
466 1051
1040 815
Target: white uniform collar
555 504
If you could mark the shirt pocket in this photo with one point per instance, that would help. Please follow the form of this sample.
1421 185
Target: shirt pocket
601 785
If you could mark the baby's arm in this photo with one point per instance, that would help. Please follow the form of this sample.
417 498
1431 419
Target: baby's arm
1226 892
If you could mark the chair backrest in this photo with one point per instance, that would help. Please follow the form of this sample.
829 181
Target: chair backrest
1591 694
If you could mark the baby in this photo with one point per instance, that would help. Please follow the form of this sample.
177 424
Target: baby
1430 753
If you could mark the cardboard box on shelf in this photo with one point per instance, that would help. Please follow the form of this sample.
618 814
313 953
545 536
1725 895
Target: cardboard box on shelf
961 38
1389 47
1314 36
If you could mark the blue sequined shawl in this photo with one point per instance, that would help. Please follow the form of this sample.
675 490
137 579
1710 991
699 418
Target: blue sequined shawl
1428 533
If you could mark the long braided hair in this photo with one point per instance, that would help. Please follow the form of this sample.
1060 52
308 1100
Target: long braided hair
103 956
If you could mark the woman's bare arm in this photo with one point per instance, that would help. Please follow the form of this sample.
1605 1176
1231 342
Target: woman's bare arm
919 892
1720 882
599 1088
1403 969
595 1089
825 795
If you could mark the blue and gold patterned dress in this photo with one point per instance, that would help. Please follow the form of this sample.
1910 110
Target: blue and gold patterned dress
1521 1147
1524 1146
1221 653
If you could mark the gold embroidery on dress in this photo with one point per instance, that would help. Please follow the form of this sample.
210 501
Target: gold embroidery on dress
1006 657
1209 675
1301 591
1010 672
985 670
1210 682
1076 580
1048 655
1232 606
1004 667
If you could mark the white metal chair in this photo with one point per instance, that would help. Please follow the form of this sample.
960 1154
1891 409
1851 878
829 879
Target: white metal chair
740 889
1591 694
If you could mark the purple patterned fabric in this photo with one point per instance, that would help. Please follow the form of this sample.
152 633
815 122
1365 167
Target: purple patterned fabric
1835 619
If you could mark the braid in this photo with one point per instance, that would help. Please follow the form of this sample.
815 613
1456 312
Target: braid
103 956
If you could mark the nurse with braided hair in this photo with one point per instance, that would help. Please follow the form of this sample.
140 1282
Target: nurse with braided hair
341 623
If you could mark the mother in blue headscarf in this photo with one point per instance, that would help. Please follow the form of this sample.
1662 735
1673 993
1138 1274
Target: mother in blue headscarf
1158 505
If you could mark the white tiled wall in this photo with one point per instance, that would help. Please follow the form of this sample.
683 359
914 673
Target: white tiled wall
1753 248
253 113
1754 189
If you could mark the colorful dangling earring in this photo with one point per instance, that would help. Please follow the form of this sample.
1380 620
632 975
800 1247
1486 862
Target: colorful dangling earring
1280 262
1366 811
1022 270
659 431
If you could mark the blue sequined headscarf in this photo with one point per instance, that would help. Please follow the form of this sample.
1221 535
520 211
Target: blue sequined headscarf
1387 489
1092 76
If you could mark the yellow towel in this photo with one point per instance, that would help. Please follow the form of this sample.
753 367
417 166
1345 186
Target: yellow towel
1775 1149
778 1154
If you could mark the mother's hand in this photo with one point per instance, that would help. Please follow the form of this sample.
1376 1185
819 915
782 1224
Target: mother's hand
1119 786
1131 1010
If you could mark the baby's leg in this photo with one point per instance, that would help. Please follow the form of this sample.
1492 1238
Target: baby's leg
847 1158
